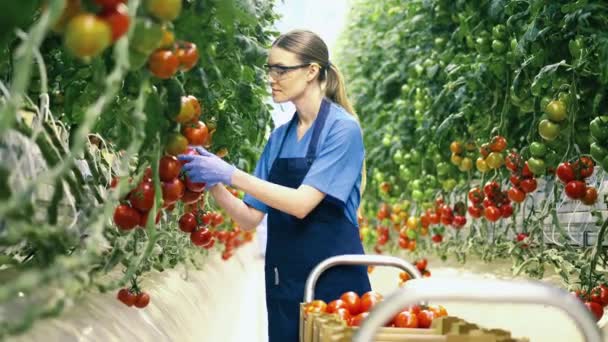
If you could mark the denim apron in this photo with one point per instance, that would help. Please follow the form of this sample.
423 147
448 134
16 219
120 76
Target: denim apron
295 246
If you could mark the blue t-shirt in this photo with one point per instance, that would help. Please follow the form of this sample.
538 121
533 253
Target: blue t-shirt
336 170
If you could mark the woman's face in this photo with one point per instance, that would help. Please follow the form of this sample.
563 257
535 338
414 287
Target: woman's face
287 75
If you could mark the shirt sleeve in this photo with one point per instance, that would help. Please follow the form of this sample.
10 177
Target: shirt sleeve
337 166
262 170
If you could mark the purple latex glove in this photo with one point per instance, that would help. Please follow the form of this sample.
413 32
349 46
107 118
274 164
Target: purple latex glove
207 168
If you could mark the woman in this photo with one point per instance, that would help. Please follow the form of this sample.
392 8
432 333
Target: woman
308 180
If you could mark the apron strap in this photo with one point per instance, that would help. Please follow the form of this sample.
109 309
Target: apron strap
317 129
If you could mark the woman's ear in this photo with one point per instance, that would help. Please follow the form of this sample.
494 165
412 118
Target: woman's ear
313 72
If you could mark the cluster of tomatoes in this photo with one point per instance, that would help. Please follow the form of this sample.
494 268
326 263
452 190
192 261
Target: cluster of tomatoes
131 297
421 265
458 157
446 215
491 154
522 179
172 57
596 300
492 203
202 227
573 175
88 34
354 309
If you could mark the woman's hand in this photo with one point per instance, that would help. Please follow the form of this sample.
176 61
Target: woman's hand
207 168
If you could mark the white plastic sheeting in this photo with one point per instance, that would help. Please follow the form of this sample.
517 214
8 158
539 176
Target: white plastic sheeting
223 302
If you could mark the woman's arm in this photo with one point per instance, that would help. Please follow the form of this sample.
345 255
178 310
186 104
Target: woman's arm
246 217
297 202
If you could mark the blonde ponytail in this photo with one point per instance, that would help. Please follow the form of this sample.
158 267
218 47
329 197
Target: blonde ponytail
335 90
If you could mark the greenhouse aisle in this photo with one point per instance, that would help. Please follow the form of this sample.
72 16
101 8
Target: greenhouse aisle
225 302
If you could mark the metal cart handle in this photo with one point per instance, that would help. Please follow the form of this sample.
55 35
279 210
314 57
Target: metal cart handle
479 290
355 259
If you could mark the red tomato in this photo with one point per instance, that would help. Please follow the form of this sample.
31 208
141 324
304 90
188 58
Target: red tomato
142 197
143 299
196 133
515 180
421 264
498 144
358 319
596 309
191 197
163 63
201 237
475 195
516 195
575 189
406 319
187 223
126 218
344 314
127 297
210 244
169 168
590 196
425 318
584 166
525 171
491 188
217 219
437 238
369 299
459 221
334 305
189 151
193 186
487 202
434 218
173 190
512 161
353 302
492 213
506 210
565 172
188 55
475 212
528 185
118 19
208 218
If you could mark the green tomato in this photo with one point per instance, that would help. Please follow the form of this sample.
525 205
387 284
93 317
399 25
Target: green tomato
556 111
429 193
415 156
417 195
449 184
498 46
499 31
537 166
599 128
548 130
398 157
538 149
386 140
443 169
411 234
147 36
416 184
598 152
